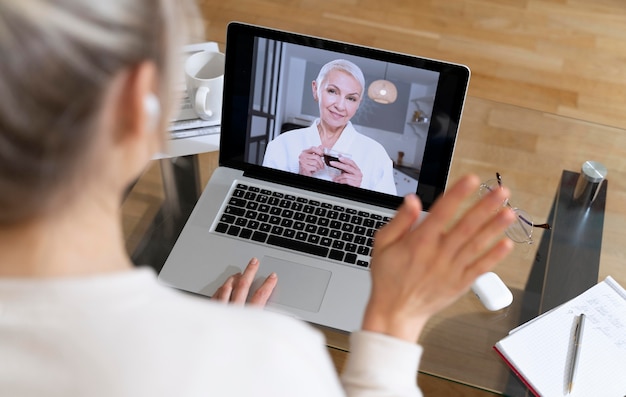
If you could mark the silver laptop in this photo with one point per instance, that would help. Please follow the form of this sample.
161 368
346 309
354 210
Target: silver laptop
315 231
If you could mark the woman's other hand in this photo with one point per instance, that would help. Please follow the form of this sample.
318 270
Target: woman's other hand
419 270
311 161
236 288
350 172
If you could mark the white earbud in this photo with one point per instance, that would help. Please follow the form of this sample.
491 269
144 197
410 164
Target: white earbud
152 107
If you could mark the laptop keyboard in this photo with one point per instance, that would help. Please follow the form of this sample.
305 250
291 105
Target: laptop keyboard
295 222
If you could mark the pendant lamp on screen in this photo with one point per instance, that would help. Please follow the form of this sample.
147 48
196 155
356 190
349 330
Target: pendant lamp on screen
383 91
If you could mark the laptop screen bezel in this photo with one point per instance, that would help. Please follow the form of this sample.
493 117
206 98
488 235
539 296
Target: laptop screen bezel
440 145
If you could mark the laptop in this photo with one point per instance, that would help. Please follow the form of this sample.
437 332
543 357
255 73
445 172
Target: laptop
314 232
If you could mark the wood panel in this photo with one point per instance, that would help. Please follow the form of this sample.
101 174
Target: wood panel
560 56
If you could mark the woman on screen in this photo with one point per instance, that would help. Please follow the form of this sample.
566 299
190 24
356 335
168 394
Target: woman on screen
331 148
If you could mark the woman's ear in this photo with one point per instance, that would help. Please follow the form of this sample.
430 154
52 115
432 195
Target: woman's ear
139 109
314 88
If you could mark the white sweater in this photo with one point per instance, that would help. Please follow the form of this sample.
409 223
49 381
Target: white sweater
126 335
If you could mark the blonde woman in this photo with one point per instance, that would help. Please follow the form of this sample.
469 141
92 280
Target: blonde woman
338 90
84 98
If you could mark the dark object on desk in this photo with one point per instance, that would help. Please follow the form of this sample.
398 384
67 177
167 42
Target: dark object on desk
589 182
567 261
158 240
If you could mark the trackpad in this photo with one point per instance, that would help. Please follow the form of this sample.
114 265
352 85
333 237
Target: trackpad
299 286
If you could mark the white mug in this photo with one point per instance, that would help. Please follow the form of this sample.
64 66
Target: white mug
204 75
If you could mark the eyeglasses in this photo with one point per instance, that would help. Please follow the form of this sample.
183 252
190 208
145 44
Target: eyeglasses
521 230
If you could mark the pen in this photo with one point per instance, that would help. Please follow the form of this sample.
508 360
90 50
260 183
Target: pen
576 344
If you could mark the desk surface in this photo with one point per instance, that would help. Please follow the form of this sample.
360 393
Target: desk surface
530 149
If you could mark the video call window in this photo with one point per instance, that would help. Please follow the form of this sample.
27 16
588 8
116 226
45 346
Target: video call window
282 102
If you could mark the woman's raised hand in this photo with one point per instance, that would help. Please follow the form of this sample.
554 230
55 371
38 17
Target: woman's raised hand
419 269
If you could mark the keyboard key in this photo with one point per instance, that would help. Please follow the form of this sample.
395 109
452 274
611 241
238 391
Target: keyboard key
237 202
259 236
298 245
314 239
336 255
347 237
233 230
221 227
245 233
362 263
227 218
350 258
338 244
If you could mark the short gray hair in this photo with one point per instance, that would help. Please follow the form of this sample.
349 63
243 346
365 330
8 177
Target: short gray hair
343 65
58 59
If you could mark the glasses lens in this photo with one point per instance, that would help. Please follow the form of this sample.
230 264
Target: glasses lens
521 230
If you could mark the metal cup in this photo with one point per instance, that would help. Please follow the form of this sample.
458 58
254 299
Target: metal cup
589 181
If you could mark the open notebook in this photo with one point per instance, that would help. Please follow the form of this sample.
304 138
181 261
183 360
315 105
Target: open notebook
540 352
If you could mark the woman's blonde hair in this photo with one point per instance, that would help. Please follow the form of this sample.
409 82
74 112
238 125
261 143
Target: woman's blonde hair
57 59
343 65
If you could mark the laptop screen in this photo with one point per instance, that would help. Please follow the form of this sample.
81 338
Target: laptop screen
356 122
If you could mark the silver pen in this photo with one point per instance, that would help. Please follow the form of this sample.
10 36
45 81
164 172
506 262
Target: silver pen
576 344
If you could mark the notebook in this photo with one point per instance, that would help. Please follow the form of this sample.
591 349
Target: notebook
540 351
314 232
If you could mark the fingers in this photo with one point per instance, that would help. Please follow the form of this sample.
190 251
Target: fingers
262 294
236 288
243 282
224 292
489 259
447 205
486 215
405 218
310 160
